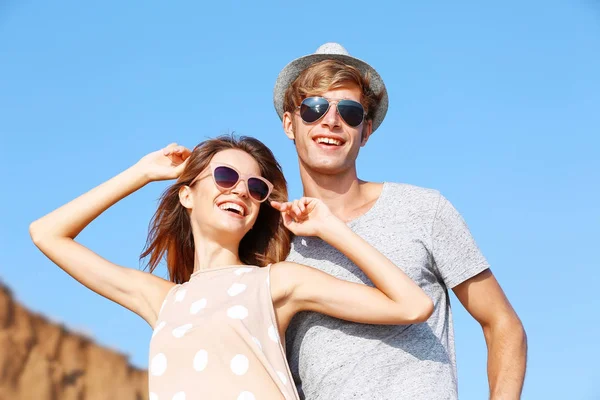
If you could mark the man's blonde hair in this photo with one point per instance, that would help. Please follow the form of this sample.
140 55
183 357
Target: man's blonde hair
328 75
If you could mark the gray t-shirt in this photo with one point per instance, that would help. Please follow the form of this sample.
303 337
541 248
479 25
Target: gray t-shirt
422 233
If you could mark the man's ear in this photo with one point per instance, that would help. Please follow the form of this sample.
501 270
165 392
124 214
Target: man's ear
186 197
367 131
288 125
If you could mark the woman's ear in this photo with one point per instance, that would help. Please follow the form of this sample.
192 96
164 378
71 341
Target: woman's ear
186 197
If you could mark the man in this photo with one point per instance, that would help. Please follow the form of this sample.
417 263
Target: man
330 104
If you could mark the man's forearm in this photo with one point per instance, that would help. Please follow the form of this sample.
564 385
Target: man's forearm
507 358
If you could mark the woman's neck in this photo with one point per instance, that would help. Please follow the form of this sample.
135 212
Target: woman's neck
209 254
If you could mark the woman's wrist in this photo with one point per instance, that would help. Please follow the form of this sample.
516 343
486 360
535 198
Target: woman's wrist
331 228
138 175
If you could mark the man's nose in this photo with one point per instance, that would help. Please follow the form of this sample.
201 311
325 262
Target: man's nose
332 118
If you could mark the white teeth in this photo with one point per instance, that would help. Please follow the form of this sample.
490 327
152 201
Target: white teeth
329 141
232 206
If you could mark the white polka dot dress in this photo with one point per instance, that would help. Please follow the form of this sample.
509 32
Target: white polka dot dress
216 337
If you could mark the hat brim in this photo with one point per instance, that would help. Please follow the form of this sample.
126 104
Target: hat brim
291 71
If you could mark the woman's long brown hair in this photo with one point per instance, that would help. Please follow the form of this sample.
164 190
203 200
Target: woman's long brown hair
170 234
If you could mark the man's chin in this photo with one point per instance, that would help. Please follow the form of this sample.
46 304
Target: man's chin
326 167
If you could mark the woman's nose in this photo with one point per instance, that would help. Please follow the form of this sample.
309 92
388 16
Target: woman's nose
241 188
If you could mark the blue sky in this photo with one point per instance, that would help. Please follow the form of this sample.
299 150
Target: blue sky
495 105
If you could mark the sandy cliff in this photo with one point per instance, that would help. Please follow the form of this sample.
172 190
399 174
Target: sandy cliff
41 360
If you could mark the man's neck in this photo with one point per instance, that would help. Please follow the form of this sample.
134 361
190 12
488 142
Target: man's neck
343 193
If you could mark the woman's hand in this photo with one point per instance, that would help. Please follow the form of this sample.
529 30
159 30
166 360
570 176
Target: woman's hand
304 217
167 163
54 234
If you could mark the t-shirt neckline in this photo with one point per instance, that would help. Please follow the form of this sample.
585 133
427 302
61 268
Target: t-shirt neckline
373 208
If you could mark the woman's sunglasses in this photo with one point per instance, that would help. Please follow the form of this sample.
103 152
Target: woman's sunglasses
226 177
313 109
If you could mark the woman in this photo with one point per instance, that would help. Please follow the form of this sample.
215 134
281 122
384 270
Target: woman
223 229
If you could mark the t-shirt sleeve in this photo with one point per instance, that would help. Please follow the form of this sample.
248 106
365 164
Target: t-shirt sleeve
456 256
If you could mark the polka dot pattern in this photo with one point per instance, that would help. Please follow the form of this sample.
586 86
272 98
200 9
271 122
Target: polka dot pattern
273 334
243 270
179 396
158 365
237 312
162 306
236 289
180 295
282 377
246 396
217 336
198 306
181 330
239 364
158 328
200 360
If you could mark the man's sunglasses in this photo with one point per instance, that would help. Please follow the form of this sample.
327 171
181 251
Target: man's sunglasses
313 109
226 177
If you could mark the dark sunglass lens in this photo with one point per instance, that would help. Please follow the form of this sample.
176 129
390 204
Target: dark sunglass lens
226 177
258 189
313 108
351 111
